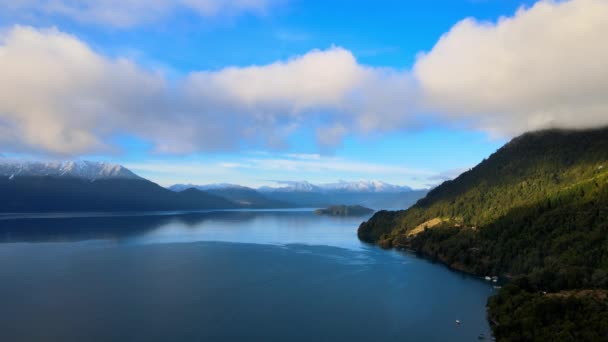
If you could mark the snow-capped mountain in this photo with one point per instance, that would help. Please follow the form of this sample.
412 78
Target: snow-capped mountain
76 169
367 186
371 194
292 186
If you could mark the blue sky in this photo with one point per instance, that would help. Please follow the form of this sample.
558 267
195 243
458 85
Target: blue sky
250 92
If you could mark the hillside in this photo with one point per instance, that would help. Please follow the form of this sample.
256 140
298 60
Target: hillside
241 195
248 198
533 213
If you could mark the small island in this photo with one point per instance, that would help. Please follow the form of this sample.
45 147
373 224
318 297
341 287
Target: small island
345 210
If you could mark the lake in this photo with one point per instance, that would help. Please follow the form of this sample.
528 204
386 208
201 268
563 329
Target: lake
284 275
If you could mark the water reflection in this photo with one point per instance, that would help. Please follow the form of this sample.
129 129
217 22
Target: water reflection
262 227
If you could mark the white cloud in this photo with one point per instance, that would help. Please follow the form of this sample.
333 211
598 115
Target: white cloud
544 67
352 97
58 95
125 13
547 66
318 79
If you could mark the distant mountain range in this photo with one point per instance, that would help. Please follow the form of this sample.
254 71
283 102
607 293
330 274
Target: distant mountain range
365 186
373 194
97 186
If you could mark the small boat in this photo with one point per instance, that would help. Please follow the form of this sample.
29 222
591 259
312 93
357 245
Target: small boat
488 278
457 321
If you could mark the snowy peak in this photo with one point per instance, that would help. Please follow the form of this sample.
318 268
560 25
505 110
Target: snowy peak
292 186
75 169
363 186
366 186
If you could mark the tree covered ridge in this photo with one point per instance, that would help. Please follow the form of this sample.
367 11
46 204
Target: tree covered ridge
523 172
535 212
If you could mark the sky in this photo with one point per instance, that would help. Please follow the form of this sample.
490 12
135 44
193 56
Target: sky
259 91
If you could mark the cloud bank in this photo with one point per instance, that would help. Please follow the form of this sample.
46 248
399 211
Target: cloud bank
60 96
546 66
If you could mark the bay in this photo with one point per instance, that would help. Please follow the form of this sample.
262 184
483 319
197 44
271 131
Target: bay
282 275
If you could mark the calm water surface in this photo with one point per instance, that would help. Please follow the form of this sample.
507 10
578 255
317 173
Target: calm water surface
286 275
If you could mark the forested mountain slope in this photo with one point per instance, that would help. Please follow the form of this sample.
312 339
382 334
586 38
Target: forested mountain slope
536 213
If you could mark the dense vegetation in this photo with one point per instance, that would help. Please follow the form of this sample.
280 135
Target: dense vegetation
535 213
525 315
345 210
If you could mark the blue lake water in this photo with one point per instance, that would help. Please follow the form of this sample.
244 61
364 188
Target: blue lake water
286 275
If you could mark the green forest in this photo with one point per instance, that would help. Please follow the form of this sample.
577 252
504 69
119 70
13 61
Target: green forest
535 214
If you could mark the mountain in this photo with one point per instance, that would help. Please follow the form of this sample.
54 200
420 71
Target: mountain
91 186
293 186
373 186
533 214
241 195
76 169
373 194
365 186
